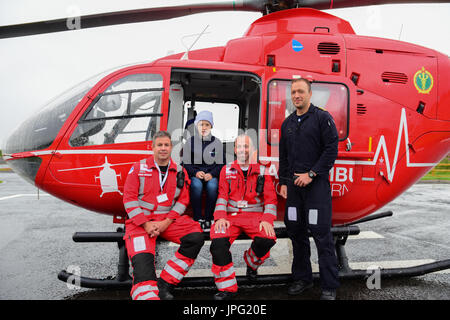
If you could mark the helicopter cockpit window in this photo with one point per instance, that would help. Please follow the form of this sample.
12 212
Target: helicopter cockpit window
332 97
127 111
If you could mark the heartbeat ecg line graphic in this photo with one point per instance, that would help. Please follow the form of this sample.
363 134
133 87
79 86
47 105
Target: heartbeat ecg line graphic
402 131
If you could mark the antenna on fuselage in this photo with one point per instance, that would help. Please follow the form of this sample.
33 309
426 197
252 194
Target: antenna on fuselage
186 54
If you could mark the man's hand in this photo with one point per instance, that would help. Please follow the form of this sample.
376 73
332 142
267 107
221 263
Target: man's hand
200 174
268 228
221 225
303 179
283 191
163 224
155 228
207 177
151 228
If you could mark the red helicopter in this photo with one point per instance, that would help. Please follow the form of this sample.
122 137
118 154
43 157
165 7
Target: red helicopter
390 101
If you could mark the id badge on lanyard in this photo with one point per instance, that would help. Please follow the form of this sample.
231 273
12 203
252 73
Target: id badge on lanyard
163 196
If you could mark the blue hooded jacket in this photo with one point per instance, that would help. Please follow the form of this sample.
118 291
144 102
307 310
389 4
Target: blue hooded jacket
205 155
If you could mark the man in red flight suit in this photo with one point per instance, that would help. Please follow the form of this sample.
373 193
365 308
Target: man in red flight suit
155 198
243 205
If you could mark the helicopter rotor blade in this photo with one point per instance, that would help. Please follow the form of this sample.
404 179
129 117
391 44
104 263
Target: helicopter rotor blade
336 4
124 17
164 13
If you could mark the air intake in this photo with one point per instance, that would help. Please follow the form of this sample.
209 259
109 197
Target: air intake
328 48
394 77
361 109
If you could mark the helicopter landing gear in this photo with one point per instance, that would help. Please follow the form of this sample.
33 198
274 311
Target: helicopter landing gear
123 280
346 272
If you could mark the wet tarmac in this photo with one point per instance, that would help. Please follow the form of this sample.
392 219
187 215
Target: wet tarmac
36 243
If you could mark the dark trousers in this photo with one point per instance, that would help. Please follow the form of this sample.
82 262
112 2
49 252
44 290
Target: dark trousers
197 187
309 208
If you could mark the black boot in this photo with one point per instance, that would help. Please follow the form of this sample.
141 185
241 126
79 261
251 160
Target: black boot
224 295
298 287
165 289
252 275
328 294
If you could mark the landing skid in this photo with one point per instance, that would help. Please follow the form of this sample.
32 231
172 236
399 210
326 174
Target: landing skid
123 280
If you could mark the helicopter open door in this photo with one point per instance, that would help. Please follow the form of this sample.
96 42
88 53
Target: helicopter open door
113 130
233 97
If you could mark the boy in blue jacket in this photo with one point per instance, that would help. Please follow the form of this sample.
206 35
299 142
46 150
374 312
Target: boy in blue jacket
203 158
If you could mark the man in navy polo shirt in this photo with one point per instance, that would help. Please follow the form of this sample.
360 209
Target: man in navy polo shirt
308 149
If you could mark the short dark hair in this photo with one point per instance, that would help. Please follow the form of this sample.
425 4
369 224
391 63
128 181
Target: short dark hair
161 134
308 83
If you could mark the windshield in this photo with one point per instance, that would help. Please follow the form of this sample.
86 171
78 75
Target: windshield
40 130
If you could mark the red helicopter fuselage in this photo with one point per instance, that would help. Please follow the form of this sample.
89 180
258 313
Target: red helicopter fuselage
390 101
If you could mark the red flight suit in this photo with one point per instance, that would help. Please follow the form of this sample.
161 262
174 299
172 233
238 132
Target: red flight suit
240 203
145 201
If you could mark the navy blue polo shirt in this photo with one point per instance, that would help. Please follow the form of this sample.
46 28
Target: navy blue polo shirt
308 144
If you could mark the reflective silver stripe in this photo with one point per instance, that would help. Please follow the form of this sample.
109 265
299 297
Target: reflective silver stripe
143 289
147 296
160 212
232 203
131 204
141 185
252 209
220 207
134 212
270 209
225 273
162 209
146 212
141 180
146 205
174 273
251 264
177 193
270 212
179 208
181 263
254 205
251 254
248 209
221 201
226 284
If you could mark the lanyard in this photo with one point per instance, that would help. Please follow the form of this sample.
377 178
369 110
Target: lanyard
162 181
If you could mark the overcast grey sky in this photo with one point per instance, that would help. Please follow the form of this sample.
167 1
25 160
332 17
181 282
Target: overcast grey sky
35 69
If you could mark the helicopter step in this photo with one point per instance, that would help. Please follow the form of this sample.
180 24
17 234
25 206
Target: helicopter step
123 280
340 234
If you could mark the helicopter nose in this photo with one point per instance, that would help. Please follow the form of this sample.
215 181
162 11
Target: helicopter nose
26 167
17 153
38 134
